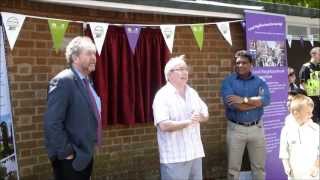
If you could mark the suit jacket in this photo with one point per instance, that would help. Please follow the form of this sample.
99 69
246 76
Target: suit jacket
70 123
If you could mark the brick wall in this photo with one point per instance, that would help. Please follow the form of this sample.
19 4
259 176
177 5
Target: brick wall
128 152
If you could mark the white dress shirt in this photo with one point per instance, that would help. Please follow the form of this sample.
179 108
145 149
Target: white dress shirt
184 144
95 95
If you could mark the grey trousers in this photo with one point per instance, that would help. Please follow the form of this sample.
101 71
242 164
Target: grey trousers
189 170
239 137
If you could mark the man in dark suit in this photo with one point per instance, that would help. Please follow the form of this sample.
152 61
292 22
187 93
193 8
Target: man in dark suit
72 122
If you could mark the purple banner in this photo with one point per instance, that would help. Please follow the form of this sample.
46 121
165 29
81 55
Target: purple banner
266 38
133 33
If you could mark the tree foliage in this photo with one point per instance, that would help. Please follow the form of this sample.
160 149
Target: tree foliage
303 3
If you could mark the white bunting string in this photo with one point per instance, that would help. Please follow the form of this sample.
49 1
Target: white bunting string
142 25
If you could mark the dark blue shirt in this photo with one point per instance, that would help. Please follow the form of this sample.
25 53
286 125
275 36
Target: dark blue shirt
253 86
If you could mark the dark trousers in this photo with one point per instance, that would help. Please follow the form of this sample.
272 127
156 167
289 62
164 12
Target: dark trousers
63 170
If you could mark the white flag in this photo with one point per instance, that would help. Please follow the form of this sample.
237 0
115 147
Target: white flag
225 31
289 38
311 39
12 24
99 31
168 35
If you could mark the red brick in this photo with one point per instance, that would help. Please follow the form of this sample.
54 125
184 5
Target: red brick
24 44
23 60
24 94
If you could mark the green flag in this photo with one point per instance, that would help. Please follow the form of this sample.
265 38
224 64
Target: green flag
197 30
57 29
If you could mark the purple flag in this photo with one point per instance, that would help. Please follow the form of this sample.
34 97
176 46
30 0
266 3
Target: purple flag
301 41
243 25
133 33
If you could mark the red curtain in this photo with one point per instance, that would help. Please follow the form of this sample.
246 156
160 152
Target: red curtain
127 82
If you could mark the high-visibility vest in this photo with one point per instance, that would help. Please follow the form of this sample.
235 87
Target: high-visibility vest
312 86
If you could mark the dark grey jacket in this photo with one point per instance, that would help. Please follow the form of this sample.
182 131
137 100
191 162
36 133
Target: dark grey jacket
69 123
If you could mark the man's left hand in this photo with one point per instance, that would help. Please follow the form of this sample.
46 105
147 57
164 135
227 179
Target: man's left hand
233 99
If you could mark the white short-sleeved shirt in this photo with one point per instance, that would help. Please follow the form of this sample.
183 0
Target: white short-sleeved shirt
185 144
300 146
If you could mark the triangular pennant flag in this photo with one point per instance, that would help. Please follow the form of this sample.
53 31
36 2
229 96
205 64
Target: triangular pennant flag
311 39
289 38
168 35
133 33
243 25
224 28
301 41
197 30
12 24
57 29
99 31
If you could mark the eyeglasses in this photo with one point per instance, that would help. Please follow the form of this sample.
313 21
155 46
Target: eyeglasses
291 74
181 69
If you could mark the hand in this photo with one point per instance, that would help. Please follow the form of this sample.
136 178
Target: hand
71 156
196 117
289 172
314 171
233 99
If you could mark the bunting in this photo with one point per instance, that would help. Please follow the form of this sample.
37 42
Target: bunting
301 41
133 33
311 39
197 30
12 24
99 31
168 35
289 38
224 28
243 25
57 29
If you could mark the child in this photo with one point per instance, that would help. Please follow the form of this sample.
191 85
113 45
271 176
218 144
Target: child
299 141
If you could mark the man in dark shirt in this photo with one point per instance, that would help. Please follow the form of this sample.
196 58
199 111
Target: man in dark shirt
310 81
244 95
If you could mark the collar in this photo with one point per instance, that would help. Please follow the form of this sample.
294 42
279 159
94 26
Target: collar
251 76
79 73
293 122
314 64
174 90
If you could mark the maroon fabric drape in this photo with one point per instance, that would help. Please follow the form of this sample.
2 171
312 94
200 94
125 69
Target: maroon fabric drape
126 82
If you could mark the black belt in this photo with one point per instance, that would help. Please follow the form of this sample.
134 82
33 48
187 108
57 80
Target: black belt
252 123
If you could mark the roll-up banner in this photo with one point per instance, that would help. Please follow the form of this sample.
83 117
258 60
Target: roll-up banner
8 155
266 41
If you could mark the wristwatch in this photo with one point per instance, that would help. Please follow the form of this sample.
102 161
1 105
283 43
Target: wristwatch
245 100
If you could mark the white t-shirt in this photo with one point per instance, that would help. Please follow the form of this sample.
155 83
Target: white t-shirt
185 144
300 146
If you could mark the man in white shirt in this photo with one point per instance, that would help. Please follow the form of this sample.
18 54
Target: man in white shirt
178 111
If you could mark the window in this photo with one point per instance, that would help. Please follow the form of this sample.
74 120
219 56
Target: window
295 30
315 32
